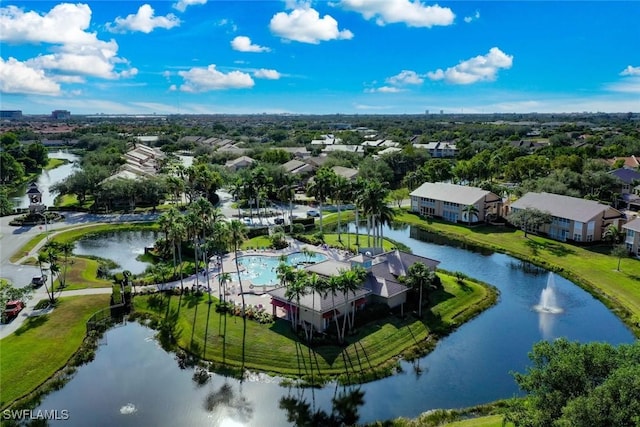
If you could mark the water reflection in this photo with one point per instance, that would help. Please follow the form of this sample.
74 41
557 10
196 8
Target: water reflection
345 407
228 406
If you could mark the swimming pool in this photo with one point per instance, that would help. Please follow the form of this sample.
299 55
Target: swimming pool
260 270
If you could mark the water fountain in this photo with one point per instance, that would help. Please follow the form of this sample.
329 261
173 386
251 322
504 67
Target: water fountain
548 301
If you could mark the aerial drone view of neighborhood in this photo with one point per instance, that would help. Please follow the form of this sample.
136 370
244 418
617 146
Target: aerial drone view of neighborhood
309 213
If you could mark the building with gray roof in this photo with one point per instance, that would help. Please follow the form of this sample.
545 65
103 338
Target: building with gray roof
451 201
632 236
575 219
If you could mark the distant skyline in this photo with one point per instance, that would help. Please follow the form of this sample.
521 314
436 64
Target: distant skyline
319 57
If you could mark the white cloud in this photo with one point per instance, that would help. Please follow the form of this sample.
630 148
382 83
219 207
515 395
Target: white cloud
469 19
74 52
264 73
304 24
384 89
144 21
413 13
630 71
65 23
182 5
243 44
405 77
479 68
628 85
18 77
200 79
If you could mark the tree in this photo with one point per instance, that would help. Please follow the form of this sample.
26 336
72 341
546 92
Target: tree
350 282
620 251
10 169
611 234
66 249
529 219
320 187
573 384
400 195
6 206
237 235
470 211
49 254
340 194
420 277
296 289
10 293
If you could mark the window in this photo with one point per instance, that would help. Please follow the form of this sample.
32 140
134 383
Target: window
577 237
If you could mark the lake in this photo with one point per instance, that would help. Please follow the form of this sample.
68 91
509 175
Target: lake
133 381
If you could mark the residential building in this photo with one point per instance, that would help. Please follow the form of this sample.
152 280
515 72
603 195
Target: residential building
439 149
632 236
348 173
241 162
297 167
629 179
573 218
451 201
382 285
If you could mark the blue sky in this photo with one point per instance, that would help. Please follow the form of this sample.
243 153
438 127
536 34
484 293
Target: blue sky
319 57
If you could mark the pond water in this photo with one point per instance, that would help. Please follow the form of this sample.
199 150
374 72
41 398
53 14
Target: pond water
132 381
46 179
123 247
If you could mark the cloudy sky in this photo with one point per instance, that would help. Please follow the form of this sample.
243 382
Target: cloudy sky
319 57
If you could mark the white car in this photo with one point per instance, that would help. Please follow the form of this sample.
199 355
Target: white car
247 221
313 213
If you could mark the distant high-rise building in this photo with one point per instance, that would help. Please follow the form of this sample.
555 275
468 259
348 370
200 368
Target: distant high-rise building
10 114
60 115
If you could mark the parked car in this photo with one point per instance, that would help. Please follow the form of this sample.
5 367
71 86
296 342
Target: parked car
11 309
278 221
38 281
313 213
246 220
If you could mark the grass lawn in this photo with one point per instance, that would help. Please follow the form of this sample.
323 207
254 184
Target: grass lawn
54 163
488 421
81 274
587 266
43 344
274 348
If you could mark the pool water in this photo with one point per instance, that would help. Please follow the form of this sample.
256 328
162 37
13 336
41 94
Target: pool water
261 270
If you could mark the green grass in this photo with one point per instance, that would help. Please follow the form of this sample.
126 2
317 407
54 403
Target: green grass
274 348
587 266
43 344
81 274
54 163
488 421
257 242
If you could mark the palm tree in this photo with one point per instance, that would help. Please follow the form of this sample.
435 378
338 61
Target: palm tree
351 281
43 257
176 232
611 234
374 205
420 277
66 249
340 194
223 279
470 211
166 222
315 285
296 288
320 186
334 285
238 234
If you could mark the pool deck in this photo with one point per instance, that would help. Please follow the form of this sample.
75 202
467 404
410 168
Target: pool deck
254 295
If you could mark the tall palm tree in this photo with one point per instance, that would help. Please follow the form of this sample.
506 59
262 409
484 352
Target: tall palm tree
334 285
166 222
316 286
296 288
43 257
223 279
66 249
352 280
320 187
420 277
374 205
238 234
176 233
340 194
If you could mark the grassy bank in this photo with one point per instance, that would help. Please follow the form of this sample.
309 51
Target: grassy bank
43 345
54 163
589 267
370 353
